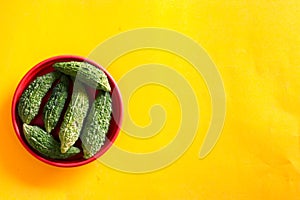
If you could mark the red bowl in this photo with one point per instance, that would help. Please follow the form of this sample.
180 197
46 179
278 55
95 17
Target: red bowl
45 67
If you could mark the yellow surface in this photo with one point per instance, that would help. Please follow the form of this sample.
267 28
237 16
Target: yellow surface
256 47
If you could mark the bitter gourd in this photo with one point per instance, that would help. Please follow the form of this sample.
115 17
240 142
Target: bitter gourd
30 101
97 125
45 144
55 105
74 117
86 73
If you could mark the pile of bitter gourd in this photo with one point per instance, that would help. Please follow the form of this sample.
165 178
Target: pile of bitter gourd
80 120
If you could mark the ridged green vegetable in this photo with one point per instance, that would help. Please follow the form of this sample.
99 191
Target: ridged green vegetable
74 117
86 73
97 125
30 101
55 104
45 144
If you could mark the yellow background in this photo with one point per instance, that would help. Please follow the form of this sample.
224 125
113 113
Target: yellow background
256 47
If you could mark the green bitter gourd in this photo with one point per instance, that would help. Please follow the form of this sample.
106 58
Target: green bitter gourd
55 105
86 73
45 144
30 101
97 125
74 117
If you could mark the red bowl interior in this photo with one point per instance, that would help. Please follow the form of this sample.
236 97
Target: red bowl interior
45 67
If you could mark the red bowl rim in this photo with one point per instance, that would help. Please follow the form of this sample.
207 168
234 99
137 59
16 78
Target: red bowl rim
115 92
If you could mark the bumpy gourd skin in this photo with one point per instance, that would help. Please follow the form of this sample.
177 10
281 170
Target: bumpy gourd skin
97 125
86 73
45 144
30 101
74 117
55 105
